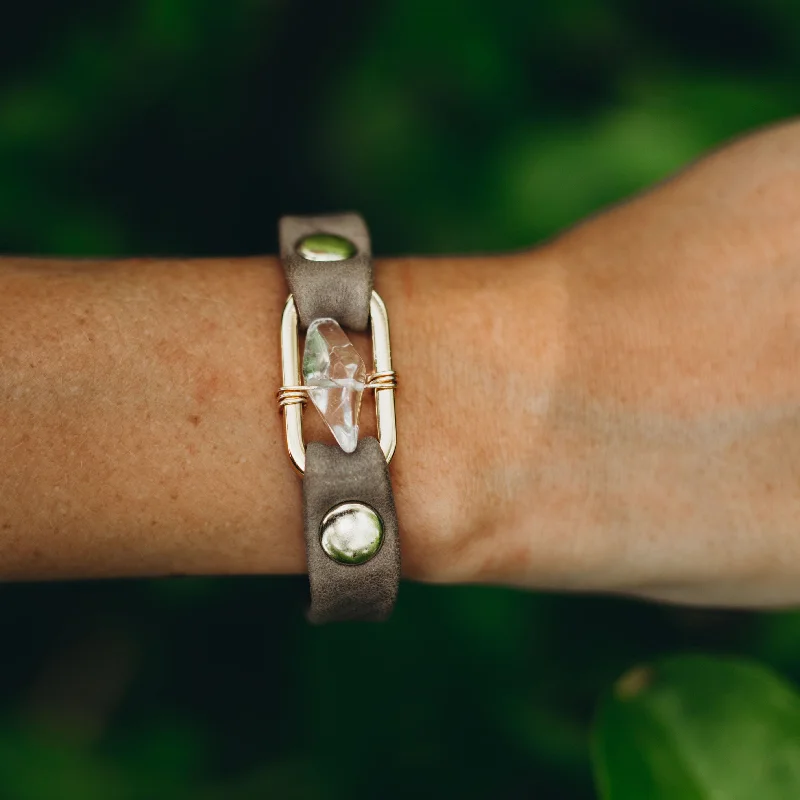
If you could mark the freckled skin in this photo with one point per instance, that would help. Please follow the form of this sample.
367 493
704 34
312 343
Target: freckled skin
614 411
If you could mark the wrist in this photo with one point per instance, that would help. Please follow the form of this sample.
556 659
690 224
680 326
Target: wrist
478 345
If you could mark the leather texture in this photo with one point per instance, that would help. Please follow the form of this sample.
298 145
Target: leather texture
342 592
337 289
342 290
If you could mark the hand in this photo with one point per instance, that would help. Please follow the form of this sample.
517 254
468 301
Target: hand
626 416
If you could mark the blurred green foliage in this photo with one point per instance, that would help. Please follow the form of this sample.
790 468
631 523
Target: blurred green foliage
699 728
187 127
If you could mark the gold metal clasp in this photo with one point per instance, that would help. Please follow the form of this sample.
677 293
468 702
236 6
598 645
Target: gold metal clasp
382 381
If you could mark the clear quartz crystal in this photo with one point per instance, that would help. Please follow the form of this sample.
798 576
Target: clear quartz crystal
335 375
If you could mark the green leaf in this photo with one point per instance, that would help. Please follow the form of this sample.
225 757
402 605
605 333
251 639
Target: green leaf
698 728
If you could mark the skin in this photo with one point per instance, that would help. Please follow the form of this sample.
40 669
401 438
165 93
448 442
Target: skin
617 410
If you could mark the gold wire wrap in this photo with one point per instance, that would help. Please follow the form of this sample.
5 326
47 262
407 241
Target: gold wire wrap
381 380
298 395
292 395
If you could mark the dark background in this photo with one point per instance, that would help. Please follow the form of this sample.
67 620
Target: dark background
186 127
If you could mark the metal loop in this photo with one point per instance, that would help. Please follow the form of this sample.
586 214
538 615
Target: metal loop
292 396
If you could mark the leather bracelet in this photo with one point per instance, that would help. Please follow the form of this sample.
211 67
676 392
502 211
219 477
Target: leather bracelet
350 522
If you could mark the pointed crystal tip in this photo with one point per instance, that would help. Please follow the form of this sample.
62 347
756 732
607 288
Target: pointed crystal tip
347 438
335 375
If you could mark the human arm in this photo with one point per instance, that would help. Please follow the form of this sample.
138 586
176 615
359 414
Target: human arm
613 411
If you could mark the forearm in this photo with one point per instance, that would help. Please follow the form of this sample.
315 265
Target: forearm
137 424
140 431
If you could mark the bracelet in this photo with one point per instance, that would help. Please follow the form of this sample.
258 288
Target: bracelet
349 517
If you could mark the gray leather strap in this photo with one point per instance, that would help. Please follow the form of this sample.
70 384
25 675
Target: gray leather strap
341 290
345 591
337 289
